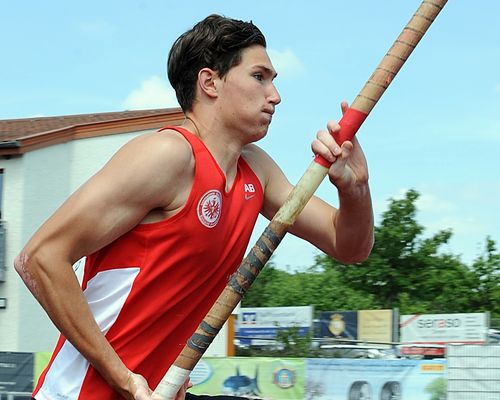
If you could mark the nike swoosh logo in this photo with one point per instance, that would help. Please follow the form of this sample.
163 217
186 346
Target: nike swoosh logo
249 196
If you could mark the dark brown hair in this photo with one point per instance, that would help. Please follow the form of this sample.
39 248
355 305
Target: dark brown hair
216 42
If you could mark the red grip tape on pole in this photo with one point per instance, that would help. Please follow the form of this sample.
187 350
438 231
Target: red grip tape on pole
349 124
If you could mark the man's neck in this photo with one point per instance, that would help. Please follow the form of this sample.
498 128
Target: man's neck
222 144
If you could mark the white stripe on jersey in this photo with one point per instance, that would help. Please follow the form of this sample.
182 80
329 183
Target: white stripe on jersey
106 294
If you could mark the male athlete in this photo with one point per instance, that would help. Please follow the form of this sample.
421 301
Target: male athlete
167 220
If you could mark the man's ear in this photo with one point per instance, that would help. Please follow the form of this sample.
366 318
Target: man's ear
207 82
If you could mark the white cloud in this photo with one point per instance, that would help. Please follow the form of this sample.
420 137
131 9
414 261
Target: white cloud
153 92
436 213
427 202
463 225
286 63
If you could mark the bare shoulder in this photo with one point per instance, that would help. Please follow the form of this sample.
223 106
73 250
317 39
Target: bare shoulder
153 166
257 158
152 171
168 147
261 163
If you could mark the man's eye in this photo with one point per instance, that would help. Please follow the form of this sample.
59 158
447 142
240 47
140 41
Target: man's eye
258 77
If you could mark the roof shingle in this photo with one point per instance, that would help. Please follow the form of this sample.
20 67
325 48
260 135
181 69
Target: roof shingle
20 135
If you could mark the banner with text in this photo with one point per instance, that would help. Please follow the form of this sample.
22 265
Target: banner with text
258 323
358 379
261 377
444 328
364 325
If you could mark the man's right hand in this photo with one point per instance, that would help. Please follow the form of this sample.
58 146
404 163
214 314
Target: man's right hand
138 388
141 391
181 394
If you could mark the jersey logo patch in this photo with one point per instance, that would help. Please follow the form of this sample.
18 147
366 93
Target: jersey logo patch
209 208
249 191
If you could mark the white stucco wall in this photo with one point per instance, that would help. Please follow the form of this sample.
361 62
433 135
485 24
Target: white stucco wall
35 184
12 198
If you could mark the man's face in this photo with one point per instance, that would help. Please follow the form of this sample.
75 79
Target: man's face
247 95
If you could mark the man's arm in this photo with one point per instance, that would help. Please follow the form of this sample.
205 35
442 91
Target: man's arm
345 233
150 172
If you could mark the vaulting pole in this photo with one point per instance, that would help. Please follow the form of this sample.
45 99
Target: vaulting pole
253 263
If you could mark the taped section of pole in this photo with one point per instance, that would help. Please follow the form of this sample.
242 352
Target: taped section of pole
261 252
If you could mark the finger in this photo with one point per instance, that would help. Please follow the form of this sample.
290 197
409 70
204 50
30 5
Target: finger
344 106
333 127
326 146
337 168
347 147
181 395
320 149
328 139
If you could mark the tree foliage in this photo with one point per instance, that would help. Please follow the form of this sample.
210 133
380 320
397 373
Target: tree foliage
405 270
437 389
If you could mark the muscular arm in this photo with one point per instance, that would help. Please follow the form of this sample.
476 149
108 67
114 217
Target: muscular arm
345 233
147 173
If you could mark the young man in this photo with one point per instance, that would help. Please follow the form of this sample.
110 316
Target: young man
167 220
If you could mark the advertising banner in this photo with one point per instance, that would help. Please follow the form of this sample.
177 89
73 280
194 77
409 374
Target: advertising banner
361 379
364 325
42 359
263 322
261 377
375 325
339 324
444 328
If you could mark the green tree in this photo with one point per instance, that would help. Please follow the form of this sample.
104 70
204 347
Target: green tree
317 287
437 389
486 280
404 269
261 293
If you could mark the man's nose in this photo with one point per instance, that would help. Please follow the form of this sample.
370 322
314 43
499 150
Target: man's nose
274 96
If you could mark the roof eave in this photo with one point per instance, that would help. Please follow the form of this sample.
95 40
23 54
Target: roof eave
89 130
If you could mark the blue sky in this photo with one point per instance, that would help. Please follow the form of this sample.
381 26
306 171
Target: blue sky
436 129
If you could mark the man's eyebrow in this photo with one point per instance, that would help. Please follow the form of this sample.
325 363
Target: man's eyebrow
267 70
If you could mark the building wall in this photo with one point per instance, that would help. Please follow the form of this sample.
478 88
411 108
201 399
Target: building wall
12 219
35 184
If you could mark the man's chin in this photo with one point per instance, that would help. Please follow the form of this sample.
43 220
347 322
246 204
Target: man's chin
261 134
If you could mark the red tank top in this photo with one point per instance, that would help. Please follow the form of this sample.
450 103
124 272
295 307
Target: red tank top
150 288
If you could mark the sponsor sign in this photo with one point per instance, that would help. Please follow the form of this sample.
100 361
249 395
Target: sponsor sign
264 322
339 324
375 325
364 325
444 328
341 379
259 378
423 350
